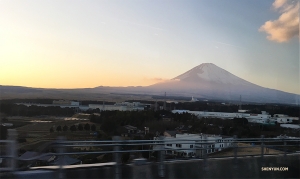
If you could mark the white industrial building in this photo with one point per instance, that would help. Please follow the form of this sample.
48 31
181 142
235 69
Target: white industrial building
191 145
66 103
70 105
262 118
282 118
124 106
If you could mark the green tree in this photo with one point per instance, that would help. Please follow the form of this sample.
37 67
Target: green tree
3 132
65 128
109 126
4 119
73 128
93 127
58 128
87 127
80 127
240 121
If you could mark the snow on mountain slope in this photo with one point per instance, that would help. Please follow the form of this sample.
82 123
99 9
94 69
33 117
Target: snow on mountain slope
211 73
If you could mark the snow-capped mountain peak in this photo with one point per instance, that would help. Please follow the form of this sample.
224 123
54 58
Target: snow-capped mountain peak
210 72
210 81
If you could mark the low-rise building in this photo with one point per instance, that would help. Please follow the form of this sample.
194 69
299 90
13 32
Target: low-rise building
193 145
130 131
282 118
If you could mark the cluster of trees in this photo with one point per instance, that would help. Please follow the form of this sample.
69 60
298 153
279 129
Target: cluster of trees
205 106
236 126
3 132
37 101
74 128
111 120
274 109
253 108
10 108
13 109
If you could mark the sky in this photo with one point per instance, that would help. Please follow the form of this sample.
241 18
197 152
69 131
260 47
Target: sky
89 43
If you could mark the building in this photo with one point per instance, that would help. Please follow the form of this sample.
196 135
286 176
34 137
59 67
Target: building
59 103
263 118
124 106
194 99
41 159
66 103
193 145
282 118
292 126
170 133
130 131
147 130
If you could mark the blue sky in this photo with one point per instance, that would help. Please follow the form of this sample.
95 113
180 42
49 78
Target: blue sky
73 44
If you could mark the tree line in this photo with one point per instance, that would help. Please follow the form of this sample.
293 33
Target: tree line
111 120
12 109
253 108
74 128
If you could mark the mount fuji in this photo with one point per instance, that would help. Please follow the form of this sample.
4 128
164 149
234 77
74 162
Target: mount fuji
206 81
212 82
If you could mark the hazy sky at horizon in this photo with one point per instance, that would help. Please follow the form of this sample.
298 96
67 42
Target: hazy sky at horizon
79 44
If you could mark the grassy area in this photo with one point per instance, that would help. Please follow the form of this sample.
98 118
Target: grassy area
36 130
81 116
255 150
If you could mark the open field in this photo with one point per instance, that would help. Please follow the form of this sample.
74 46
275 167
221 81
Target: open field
76 95
36 130
245 151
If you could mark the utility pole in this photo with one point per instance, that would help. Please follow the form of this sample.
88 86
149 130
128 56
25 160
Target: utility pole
165 101
240 107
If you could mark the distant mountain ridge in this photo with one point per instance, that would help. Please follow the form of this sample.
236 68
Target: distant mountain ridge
203 81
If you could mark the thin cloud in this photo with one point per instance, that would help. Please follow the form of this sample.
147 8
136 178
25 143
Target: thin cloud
228 45
287 25
155 80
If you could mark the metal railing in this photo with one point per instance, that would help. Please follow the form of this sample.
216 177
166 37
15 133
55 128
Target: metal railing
10 157
115 147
